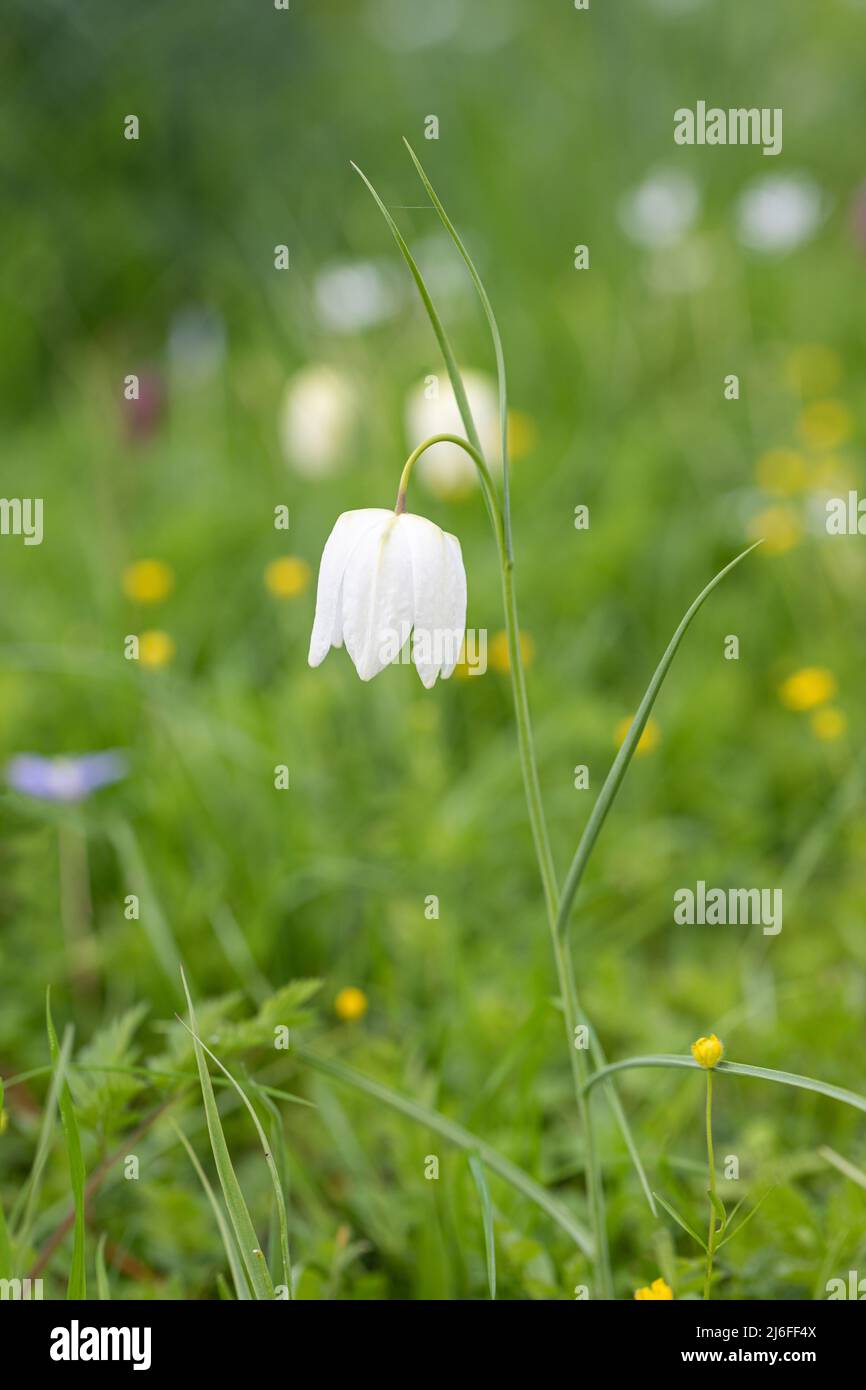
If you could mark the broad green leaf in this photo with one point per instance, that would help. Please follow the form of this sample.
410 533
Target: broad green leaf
487 1220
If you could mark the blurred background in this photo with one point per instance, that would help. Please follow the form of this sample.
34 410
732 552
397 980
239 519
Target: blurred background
303 388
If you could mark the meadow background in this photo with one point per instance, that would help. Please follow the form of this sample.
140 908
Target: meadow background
157 257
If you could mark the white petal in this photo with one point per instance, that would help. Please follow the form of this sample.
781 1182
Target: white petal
377 596
349 529
439 599
454 604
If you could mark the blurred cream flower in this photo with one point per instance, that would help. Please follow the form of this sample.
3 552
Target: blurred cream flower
287 577
829 724
431 408
318 416
155 648
808 688
708 1051
778 212
382 576
656 1291
648 741
148 581
350 1004
825 425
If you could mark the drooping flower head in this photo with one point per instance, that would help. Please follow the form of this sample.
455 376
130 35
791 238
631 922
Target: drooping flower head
66 779
383 575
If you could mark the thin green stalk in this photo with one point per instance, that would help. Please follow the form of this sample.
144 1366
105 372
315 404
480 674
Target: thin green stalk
711 1171
532 788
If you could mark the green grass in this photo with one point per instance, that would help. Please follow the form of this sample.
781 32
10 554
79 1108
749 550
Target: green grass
398 794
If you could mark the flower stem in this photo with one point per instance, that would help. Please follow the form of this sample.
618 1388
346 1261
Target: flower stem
711 1170
541 840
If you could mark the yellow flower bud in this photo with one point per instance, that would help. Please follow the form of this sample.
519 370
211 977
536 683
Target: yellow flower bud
707 1051
658 1289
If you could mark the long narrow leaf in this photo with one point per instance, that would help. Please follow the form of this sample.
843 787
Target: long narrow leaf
103 1288
614 778
681 1221
494 333
486 1220
230 1245
463 1138
842 1164
269 1158
76 1286
785 1078
29 1194
248 1242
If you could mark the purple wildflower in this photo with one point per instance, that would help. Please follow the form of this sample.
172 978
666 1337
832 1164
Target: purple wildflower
64 778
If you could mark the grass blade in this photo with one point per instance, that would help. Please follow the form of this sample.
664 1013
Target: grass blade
103 1289
784 1078
451 366
487 1221
153 919
248 1243
842 1164
494 333
230 1246
76 1287
681 1221
614 778
29 1194
269 1158
463 1138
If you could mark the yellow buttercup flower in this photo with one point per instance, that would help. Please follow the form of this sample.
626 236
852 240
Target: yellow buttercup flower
499 656
350 1004
707 1051
826 424
782 471
657 1290
288 577
828 723
155 648
808 688
778 527
148 581
649 739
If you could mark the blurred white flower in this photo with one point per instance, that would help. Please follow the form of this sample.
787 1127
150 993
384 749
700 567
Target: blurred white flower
317 419
661 209
779 211
446 469
353 295
383 575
